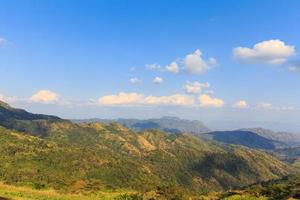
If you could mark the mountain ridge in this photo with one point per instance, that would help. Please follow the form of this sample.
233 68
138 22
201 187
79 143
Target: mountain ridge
167 123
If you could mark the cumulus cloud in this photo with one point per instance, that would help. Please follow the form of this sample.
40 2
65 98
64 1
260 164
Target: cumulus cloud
173 68
208 101
121 99
139 99
134 80
158 80
272 52
241 104
195 64
192 63
195 87
45 96
176 99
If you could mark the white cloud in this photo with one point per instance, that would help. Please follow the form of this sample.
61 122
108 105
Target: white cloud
121 99
45 96
269 52
208 101
173 68
176 99
195 87
139 99
241 104
195 64
192 63
3 41
158 80
134 80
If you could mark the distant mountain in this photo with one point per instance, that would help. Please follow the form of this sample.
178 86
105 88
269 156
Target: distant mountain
244 138
167 124
257 138
287 139
86 157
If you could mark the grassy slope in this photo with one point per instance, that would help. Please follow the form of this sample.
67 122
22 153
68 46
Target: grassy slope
95 157
286 188
25 193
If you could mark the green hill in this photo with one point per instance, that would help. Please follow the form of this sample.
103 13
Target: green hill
95 157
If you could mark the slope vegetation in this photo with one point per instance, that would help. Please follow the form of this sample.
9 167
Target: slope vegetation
93 157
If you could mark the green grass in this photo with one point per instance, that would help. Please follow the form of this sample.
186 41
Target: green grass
245 197
25 193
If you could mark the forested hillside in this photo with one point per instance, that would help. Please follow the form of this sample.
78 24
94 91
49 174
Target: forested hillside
93 157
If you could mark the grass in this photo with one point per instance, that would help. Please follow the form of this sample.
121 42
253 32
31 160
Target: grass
244 197
25 193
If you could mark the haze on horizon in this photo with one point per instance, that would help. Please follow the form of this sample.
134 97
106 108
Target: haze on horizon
212 61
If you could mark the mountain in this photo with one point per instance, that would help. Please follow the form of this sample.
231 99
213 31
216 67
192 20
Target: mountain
8 113
255 138
24 121
244 138
95 157
286 138
167 124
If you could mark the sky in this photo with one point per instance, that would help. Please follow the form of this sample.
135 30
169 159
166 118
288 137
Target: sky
228 63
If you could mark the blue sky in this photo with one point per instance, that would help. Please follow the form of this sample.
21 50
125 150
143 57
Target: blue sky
75 59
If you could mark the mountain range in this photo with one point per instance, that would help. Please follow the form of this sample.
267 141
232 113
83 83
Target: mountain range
45 152
257 138
166 124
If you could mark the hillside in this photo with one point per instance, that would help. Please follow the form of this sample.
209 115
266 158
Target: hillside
286 188
166 124
288 154
95 157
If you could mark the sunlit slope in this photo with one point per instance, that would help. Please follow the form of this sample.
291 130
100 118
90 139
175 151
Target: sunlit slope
93 157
